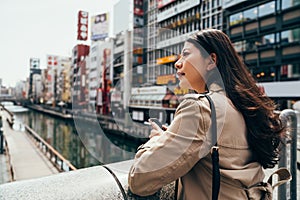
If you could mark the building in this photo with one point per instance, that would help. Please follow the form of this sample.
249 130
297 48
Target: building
94 73
65 82
34 92
79 87
100 75
20 90
267 35
168 24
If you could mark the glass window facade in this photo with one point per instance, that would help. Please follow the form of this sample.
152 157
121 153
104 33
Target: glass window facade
290 36
285 4
236 18
250 14
266 9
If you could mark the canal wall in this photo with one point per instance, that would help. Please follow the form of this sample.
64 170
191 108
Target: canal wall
131 130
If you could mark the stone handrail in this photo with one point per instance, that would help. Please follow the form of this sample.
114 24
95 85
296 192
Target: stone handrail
91 183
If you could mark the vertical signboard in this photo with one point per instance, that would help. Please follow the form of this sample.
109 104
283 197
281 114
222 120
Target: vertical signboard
100 27
82 26
34 63
122 15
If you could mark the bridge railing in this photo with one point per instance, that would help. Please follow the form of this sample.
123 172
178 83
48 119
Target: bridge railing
10 120
56 158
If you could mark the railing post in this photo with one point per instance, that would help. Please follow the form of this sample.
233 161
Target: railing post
1 137
289 155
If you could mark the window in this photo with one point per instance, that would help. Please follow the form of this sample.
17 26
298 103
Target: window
289 3
239 46
219 19
266 9
250 14
296 70
214 20
236 18
290 36
265 73
251 44
268 39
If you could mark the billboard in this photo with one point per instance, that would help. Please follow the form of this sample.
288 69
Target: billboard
52 60
34 63
99 27
122 16
162 3
82 26
229 3
138 8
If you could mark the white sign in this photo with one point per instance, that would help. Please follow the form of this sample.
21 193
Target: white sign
186 5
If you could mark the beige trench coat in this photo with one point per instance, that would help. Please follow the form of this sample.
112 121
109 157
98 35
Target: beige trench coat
183 151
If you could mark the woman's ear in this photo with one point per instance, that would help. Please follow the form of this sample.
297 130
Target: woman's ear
212 62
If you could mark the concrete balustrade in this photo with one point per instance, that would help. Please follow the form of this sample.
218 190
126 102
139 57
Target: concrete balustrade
93 183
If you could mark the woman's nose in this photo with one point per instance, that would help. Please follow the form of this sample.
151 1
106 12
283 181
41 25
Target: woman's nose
178 64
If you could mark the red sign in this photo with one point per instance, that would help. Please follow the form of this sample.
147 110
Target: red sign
82 27
52 61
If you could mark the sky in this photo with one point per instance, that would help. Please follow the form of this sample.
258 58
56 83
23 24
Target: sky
35 29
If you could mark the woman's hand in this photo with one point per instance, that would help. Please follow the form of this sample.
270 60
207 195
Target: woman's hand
156 131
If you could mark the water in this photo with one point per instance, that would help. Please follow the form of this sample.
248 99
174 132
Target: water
83 145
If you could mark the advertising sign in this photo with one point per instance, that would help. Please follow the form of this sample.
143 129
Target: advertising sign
52 60
162 3
167 59
34 63
100 27
138 21
229 3
82 26
166 79
138 8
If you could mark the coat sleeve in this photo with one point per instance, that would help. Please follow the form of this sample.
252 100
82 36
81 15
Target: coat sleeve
165 158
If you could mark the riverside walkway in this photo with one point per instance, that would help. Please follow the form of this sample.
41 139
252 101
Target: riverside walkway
26 161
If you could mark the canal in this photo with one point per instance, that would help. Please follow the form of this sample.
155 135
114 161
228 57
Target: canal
84 144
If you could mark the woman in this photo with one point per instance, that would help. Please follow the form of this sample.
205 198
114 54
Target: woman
249 132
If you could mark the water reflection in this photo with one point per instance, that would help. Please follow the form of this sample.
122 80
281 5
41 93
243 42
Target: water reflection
89 148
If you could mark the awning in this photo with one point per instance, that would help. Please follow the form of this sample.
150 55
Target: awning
140 97
147 97
157 97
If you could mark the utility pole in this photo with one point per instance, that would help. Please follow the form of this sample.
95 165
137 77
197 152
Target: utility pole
127 74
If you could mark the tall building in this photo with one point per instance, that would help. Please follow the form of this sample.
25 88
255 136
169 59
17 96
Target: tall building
54 78
267 35
78 75
94 73
168 24
34 79
100 74
176 21
151 26
64 82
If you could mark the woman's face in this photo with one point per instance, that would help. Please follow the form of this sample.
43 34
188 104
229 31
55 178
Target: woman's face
192 68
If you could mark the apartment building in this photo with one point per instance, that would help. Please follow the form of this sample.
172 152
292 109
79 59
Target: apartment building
267 35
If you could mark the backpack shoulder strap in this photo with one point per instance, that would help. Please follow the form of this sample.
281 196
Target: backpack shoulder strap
284 176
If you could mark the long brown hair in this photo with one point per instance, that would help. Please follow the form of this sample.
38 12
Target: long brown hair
264 127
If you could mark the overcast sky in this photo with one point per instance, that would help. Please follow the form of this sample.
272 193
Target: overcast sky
36 28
